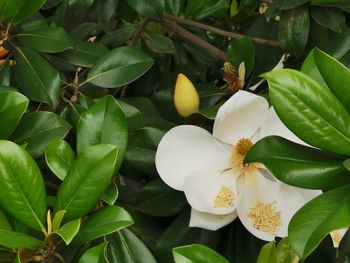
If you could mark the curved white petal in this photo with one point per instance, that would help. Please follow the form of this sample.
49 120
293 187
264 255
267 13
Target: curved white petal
308 194
211 191
337 236
260 198
240 117
186 148
210 221
274 126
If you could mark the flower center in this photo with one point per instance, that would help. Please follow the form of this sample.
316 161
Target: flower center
265 217
240 150
224 198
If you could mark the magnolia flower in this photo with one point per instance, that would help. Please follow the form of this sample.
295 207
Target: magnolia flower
219 187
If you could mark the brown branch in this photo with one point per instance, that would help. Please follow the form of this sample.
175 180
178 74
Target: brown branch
218 31
138 32
194 39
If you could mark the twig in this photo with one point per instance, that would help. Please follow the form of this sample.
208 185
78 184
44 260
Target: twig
218 31
183 33
138 32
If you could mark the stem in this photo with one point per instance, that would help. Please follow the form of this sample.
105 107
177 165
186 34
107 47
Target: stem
218 31
194 39
138 32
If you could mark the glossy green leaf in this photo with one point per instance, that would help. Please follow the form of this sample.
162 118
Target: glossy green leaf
174 6
16 240
241 50
294 29
21 9
158 199
318 218
95 254
38 129
310 68
268 254
197 253
332 18
284 251
299 165
103 122
120 36
59 157
50 39
69 230
36 77
4 223
22 192
119 67
8 8
104 222
57 220
201 9
151 9
124 246
5 73
82 179
111 194
297 99
12 107
159 43
335 75
142 159
85 54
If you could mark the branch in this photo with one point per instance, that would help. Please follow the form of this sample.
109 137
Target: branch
138 32
194 39
218 31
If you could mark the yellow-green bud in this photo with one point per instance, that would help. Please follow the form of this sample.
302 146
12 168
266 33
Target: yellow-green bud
186 98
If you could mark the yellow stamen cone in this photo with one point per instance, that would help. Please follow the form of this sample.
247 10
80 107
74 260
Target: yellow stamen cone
186 98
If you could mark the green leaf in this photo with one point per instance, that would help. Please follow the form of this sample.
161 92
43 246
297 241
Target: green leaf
242 50
268 254
197 253
69 230
103 122
104 222
284 251
201 9
318 218
22 192
15 240
332 18
233 8
299 165
151 9
5 73
119 67
38 129
59 157
335 75
310 68
126 247
110 196
81 179
57 220
8 8
174 6
294 29
21 9
297 99
12 107
158 199
50 39
4 223
96 254
36 77
159 43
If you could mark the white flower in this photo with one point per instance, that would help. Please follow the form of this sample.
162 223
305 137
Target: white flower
209 169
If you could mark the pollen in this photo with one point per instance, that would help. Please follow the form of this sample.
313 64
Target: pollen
230 68
265 217
240 150
224 198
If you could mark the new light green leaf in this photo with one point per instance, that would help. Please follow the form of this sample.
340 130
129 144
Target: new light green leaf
69 230
268 253
22 187
304 106
95 254
119 67
316 219
197 253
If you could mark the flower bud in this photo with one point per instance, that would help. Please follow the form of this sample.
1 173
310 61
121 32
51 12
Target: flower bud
186 98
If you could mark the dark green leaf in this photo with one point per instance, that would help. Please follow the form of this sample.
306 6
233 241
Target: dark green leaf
95 254
197 253
332 18
120 36
159 43
294 30
119 67
5 73
21 9
9 8
82 178
204 8
38 129
151 9
15 240
297 99
299 165
36 77
104 222
242 50
142 159
22 190
318 218
174 6
12 106
46 39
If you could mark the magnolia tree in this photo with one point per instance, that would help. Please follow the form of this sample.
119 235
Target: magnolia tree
174 131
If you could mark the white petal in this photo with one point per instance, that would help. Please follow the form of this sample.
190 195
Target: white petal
307 193
240 117
202 188
210 221
337 236
284 199
186 148
274 126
